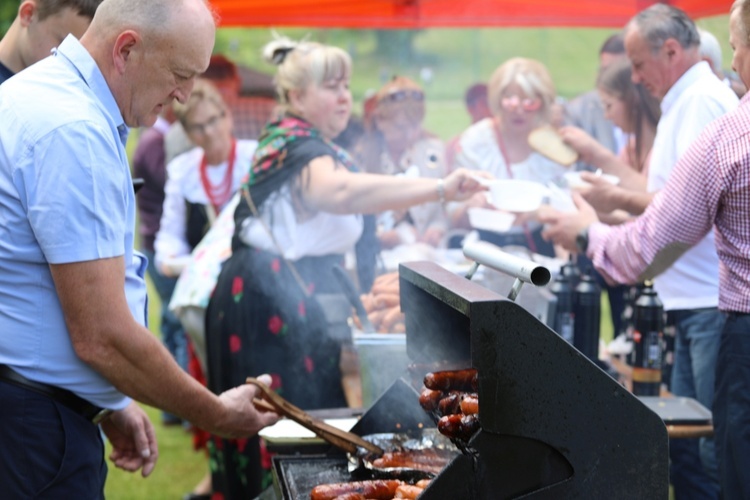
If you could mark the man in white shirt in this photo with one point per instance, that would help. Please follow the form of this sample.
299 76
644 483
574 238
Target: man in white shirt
662 44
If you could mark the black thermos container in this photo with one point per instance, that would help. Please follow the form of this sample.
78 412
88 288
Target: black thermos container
570 270
587 312
648 328
564 313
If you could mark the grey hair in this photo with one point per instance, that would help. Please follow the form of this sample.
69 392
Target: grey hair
710 49
660 22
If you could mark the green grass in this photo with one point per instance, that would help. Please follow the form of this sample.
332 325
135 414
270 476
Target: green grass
179 467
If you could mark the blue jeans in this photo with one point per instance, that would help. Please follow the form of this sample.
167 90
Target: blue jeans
731 408
48 451
694 470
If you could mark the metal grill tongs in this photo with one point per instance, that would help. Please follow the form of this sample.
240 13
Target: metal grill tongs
347 441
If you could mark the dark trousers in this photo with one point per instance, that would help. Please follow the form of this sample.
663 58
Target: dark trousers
46 449
731 408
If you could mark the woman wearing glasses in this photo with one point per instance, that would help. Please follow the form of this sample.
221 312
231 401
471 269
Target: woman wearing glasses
201 181
395 143
521 97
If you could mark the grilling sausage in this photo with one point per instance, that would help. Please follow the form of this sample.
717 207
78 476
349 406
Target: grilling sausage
429 460
470 404
408 491
458 426
377 489
430 399
450 404
351 496
459 380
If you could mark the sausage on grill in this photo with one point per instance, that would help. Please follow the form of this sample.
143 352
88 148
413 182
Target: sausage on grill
470 404
459 380
377 489
458 426
430 399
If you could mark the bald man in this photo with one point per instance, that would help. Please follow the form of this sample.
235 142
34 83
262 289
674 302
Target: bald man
73 346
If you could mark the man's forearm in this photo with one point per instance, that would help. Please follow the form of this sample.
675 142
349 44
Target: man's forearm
634 202
105 336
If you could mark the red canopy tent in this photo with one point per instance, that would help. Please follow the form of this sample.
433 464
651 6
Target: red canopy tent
446 13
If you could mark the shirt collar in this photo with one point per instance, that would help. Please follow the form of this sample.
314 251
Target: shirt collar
72 50
692 75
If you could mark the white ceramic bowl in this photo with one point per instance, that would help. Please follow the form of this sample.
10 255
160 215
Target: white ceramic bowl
490 220
513 195
573 179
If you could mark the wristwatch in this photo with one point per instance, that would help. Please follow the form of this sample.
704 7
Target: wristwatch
582 240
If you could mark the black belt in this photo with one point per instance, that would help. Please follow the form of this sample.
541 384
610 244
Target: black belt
79 405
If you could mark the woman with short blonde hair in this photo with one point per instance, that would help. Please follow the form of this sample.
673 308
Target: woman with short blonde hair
530 75
521 96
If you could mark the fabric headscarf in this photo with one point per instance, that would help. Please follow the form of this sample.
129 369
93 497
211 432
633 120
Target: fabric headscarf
284 148
281 155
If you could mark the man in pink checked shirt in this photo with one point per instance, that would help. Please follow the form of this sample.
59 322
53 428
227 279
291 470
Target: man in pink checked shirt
709 188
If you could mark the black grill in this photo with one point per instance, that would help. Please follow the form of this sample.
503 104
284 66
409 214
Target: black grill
554 425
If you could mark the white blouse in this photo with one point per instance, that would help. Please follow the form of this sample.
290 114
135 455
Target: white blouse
322 234
184 185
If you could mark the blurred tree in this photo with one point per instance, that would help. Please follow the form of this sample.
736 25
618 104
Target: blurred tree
396 45
8 11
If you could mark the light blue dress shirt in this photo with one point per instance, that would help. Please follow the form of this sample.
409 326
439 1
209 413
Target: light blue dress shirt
65 196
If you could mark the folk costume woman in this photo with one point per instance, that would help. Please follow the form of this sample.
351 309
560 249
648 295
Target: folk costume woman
201 181
299 213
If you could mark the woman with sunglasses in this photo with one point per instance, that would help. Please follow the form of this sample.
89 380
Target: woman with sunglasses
394 143
299 213
521 97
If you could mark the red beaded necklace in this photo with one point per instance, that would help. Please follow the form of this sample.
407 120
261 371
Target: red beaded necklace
218 195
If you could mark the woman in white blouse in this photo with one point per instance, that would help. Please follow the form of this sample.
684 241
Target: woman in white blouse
298 215
201 181
521 97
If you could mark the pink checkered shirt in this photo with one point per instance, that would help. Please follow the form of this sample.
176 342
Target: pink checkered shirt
709 187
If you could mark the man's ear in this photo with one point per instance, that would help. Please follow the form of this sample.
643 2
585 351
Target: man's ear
672 49
26 12
124 49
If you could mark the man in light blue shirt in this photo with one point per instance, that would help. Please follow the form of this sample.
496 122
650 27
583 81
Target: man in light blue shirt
72 295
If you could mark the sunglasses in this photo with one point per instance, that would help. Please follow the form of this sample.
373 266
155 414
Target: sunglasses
202 128
403 95
528 104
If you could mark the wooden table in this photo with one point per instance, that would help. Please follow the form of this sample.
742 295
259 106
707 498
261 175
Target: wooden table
675 431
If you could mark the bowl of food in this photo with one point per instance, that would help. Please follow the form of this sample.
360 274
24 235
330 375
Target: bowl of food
574 180
488 219
515 195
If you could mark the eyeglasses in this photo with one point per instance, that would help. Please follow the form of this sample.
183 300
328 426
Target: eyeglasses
202 128
528 104
402 95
